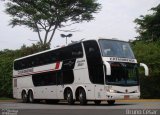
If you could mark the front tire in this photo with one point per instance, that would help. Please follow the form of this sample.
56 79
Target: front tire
111 102
82 97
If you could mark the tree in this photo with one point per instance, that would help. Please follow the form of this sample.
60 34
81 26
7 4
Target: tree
6 66
50 15
148 53
149 25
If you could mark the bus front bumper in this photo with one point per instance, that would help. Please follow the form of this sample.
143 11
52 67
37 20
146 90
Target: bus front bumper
115 96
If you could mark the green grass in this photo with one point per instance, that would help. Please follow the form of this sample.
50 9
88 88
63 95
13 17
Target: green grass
6 98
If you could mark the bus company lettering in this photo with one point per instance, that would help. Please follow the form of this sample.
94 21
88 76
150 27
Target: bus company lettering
81 62
122 59
25 71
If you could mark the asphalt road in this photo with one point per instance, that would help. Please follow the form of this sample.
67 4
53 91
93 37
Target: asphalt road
62 108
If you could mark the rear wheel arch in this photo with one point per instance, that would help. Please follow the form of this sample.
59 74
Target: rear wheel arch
23 91
30 90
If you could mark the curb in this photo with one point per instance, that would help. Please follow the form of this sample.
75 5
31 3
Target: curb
140 100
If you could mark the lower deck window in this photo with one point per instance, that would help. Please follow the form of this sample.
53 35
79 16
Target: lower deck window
53 78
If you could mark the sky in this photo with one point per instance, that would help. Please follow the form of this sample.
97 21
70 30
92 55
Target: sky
114 20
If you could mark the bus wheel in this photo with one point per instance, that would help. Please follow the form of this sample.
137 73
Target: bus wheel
111 102
97 102
30 97
24 97
82 97
69 97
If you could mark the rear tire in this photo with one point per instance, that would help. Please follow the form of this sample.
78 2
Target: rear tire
24 97
97 102
82 97
69 97
111 102
31 97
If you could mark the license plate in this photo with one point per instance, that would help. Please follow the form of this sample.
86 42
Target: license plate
126 97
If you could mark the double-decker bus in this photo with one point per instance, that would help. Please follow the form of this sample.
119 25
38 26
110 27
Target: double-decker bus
89 70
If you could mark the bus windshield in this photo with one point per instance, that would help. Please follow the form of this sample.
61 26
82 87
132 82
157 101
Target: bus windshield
125 74
113 48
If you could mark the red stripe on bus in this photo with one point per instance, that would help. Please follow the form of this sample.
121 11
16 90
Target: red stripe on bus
57 65
26 74
34 73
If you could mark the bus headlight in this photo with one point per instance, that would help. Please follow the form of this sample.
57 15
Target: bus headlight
112 91
136 91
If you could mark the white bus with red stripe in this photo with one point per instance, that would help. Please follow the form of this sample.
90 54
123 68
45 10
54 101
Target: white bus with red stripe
90 70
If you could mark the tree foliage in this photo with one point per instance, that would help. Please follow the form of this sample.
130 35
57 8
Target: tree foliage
6 65
49 15
147 50
150 87
148 53
149 25
6 60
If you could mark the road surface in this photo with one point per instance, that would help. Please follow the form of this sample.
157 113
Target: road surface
62 108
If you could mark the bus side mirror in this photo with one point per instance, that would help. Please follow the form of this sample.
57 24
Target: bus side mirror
145 68
108 68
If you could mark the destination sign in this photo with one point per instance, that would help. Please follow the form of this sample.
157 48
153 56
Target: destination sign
121 59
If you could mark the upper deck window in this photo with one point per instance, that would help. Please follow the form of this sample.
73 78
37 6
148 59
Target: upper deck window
66 53
112 48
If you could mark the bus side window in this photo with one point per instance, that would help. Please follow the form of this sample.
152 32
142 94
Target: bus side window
68 77
16 65
94 62
77 51
65 77
59 75
23 64
62 54
92 52
44 79
54 56
72 51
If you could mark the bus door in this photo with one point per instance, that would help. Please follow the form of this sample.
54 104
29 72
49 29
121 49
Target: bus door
15 88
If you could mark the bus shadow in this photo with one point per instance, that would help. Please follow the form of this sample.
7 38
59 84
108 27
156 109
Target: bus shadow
78 104
90 104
